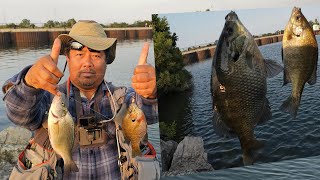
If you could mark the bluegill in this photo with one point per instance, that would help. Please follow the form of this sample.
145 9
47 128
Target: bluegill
300 59
239 86
61 132
134 126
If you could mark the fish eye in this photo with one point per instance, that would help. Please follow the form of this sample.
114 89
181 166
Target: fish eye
62 103
298 17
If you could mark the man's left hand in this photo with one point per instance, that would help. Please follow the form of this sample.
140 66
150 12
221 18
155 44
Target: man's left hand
144 77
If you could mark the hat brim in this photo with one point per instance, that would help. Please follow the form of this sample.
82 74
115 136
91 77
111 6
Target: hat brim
100 44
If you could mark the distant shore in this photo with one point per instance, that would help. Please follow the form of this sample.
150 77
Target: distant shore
67 29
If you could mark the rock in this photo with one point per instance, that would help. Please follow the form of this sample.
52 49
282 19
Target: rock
167 150
189 157
12 141
15 136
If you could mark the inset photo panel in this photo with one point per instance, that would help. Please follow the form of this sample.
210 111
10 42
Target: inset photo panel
79 100
237 87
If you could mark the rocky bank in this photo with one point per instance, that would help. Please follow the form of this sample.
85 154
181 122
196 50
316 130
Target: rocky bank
189 157
12 141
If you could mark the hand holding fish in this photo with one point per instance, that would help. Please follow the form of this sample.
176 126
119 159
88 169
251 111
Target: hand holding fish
144 77
44 74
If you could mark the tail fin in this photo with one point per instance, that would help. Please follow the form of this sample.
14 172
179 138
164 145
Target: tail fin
70 166
136 149
247 156
291 106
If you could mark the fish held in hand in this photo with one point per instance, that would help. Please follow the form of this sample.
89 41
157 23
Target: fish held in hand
239 87
61 132
300 59
134 126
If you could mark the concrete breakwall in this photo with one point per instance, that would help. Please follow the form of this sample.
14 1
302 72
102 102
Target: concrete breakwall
202 53
26 37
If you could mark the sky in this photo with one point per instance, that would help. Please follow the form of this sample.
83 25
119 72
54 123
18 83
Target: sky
107 11
199 28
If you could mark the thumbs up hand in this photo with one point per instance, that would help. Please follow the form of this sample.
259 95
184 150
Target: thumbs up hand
44 74
144 77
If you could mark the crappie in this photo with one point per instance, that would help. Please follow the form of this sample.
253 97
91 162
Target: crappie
300 58
239 87
134 126
61 132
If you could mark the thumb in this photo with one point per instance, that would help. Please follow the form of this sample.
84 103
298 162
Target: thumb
55 51
144 54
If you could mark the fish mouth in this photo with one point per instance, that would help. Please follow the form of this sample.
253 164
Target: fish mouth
229 31
133 120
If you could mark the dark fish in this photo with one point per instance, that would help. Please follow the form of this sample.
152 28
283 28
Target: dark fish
239 87
300 58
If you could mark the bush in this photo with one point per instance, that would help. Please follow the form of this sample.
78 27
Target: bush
168 131
170 72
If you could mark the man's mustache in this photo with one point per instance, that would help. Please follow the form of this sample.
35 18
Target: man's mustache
88 71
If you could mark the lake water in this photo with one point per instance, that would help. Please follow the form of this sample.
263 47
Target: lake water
283 137
302 168
13 59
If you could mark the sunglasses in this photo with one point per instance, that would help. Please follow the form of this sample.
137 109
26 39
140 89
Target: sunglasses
74 45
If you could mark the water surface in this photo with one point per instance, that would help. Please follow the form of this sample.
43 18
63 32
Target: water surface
283 137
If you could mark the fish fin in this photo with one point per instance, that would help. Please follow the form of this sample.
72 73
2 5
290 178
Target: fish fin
215 84
214 79
250 60
266 113
247 159
286 78
282 54
69 166
144 139
121 113
220 128
256 145
136 150
291 106
247 156
313 78
126 140
272 68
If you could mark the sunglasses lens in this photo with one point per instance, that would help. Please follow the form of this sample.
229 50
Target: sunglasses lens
76 46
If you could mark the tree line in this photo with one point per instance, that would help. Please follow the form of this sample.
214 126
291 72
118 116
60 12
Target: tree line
26 23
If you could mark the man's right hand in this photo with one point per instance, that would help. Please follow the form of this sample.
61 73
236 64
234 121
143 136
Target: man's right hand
44 74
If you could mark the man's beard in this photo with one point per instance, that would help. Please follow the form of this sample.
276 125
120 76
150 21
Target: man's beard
86 83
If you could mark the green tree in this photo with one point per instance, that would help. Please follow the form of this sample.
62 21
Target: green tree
140 23
118 25
170 72
49 24
70 23
25 23
11 25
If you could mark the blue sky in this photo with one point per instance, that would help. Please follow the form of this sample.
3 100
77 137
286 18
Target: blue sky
205 27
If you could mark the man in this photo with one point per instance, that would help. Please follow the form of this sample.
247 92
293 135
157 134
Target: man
88 51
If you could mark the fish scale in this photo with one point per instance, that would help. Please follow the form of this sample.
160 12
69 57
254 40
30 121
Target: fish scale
300 58
241 69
